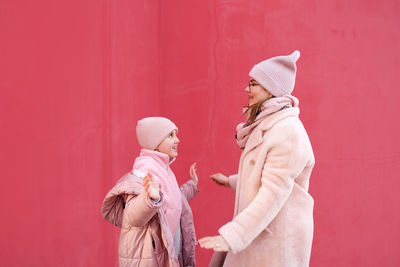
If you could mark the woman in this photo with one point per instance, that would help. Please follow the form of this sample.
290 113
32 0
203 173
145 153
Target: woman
152 211
273 220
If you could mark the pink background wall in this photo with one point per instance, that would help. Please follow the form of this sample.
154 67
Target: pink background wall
76 75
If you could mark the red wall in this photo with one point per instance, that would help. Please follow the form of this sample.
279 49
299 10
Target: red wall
75 76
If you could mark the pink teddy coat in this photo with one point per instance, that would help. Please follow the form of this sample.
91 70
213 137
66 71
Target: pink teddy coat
273 217
145 238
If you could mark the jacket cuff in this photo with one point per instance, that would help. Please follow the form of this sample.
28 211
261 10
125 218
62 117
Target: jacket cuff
195 188
155 202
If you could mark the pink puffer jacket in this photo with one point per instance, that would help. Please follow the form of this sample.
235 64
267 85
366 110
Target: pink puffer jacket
145 238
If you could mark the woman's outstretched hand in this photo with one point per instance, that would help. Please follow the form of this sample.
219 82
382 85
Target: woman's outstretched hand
220 179
217 243
193 174
152 187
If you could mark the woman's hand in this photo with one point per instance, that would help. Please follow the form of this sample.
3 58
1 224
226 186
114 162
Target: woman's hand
193 174
217 243
152 187
220 179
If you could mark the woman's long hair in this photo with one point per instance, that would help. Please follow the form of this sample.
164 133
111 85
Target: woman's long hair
253 110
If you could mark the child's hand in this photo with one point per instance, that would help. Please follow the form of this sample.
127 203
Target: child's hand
217 243
152 187
193 174
220 179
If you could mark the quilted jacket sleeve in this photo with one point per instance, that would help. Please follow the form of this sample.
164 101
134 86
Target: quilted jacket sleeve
189 190
139 209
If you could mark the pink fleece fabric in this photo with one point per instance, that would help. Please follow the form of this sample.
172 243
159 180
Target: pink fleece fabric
273 221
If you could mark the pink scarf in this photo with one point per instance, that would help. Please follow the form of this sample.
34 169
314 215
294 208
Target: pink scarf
270 106
158 162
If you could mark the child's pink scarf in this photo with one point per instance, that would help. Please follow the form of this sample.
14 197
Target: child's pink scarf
270 106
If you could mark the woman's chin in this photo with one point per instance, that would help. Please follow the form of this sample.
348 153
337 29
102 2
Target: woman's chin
173 155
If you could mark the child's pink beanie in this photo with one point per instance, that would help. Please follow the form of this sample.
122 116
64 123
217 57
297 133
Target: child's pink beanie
151 131
277 75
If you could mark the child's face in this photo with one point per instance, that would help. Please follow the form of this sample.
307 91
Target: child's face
169 145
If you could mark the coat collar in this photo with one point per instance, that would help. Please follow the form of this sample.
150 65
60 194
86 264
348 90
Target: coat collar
256 137
162 158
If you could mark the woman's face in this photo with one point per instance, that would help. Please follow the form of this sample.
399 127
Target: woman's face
169 145
256 92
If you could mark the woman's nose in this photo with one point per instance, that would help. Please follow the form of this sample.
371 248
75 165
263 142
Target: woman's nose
247 89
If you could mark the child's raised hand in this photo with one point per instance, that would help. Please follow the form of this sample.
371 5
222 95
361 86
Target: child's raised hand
193 174
151 186
220 179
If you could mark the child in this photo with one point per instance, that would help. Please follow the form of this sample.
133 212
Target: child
152 211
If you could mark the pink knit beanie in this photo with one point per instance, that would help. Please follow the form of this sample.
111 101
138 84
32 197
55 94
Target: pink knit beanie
151 131
277 75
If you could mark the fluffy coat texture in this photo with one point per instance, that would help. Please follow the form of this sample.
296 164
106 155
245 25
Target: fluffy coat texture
273 218
146 239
